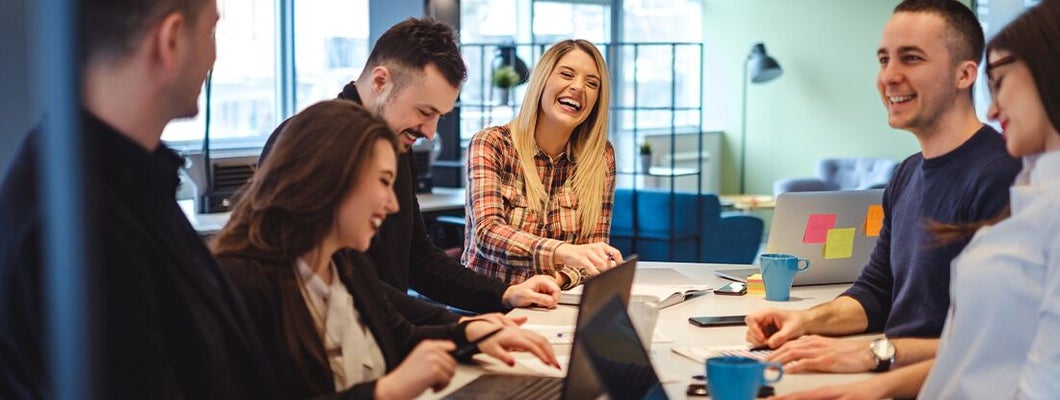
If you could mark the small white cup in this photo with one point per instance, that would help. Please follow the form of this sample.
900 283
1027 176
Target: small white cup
644 313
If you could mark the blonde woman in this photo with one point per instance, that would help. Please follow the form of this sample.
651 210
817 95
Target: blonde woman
541 188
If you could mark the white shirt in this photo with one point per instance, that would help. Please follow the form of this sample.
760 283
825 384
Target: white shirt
1002 334
352 352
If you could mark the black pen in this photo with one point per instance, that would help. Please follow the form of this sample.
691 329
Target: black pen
468 350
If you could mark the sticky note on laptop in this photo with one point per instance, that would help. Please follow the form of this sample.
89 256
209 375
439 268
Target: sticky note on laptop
839 244
817 226
874 220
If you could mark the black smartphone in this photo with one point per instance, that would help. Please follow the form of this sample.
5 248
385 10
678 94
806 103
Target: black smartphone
724 320
732 289
700 390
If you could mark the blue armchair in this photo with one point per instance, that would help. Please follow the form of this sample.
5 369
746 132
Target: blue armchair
732 238
841 174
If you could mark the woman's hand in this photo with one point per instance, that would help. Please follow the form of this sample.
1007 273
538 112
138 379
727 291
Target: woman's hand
511 339
593 258
429 365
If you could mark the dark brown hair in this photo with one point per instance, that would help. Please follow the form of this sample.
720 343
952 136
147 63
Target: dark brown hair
966 35
1034 39
109 28
413 44
291 202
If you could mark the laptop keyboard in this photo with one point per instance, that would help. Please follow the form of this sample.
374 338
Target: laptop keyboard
510 387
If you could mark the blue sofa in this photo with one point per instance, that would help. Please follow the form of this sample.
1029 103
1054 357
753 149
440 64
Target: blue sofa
732 238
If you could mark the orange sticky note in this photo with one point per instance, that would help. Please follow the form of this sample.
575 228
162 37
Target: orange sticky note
817 226
874 220
839 243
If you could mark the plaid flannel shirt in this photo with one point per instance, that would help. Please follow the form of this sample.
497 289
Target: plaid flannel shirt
504 237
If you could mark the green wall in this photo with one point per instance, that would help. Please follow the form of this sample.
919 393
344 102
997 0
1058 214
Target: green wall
824 105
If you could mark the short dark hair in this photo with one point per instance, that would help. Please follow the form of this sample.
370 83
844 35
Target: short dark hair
966 40
417 42
1034 38
109 28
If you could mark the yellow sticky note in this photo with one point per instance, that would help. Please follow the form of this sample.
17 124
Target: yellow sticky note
839 243
874 220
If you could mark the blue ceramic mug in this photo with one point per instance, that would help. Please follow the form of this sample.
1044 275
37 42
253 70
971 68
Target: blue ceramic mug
738 378
778 271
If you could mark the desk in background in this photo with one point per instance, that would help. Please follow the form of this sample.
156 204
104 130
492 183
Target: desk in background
673 321
438 201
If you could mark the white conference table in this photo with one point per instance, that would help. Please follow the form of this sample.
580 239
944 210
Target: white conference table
673 322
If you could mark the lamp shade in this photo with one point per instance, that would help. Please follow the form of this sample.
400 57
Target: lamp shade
761 67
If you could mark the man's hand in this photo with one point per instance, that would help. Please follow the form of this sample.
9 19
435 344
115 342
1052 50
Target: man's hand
821 354
496 318
594 258
429 365
539 290
772 327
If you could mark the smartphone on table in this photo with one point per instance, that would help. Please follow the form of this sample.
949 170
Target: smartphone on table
732 289
723 320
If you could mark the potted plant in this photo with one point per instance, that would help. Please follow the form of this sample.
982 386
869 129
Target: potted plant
645 157
505 78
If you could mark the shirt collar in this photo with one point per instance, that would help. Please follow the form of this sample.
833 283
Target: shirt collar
567 154
141 171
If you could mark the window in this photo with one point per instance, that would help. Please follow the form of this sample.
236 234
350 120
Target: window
329 49
656 70
243 103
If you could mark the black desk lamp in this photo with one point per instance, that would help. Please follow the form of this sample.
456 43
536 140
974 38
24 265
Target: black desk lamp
760 68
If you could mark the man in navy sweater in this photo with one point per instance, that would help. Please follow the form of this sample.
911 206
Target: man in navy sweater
928 60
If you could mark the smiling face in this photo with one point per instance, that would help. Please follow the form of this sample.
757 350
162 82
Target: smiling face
571 90
1017 105
919 80
369 202
413 107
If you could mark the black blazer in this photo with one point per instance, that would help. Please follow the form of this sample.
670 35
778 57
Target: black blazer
270 291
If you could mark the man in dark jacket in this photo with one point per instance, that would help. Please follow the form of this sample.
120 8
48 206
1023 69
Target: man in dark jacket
412 78
169 325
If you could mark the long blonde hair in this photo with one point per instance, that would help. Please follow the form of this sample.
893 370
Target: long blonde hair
588 142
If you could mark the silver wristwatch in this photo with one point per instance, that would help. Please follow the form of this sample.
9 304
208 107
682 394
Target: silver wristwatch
883 351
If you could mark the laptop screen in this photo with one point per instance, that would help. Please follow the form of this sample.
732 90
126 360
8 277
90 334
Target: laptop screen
607 355
619 360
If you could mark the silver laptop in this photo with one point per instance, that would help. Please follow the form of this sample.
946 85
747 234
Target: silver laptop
796 211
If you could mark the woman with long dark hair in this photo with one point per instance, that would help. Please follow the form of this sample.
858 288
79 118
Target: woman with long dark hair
294 248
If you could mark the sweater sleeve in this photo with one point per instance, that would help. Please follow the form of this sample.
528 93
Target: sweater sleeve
875 286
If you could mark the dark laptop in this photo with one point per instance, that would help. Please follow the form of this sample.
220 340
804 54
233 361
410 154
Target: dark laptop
607 356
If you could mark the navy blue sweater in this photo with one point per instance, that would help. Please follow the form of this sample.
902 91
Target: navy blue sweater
905 286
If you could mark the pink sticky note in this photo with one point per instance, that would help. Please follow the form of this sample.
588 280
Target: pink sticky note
817 227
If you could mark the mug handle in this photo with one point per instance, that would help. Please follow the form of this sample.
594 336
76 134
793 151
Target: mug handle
780 372
802 264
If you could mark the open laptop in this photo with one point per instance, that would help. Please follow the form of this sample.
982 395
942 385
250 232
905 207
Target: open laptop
607 356
793 216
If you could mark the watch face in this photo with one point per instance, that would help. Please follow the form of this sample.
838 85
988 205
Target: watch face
883 349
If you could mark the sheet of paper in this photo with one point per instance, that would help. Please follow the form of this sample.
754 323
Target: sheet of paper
564 334
839 244
817 226
874 220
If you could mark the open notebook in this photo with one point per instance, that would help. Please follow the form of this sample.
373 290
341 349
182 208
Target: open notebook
665 284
